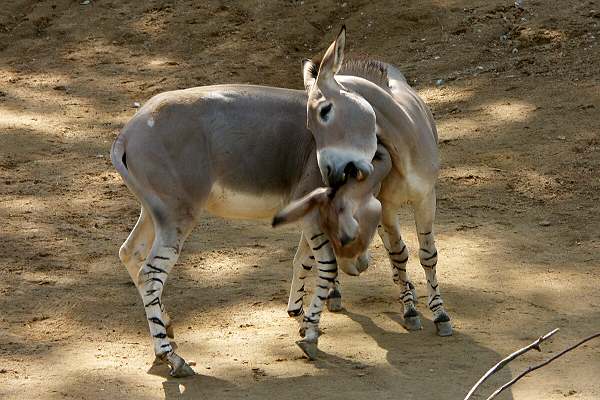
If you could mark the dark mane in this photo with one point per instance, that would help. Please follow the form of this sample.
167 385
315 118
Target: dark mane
371 70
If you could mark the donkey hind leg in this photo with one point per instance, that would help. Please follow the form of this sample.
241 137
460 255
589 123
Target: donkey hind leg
152 277
326 276
389 232
424 217
135 250
303 263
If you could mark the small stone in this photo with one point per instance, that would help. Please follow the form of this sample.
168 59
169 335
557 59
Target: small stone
561 137
545 223
136 104
85 2
439 82
515 50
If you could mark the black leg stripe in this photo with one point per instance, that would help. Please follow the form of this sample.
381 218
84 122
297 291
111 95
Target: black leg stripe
157 321
160 335
323 287
307 267
397 253
327 279
156 269
428 266
161 258
425 233
155 301
320 246
434 298
155 280
431 257
298 301
316 236
327 261
402 261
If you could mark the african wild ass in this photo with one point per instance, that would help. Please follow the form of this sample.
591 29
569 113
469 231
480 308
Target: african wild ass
243 151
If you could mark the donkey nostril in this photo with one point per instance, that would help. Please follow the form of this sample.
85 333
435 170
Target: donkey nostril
351 170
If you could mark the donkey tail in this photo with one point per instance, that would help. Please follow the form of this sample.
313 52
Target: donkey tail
119 157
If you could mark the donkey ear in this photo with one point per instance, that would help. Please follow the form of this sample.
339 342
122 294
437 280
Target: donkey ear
309 73
333 58
299 208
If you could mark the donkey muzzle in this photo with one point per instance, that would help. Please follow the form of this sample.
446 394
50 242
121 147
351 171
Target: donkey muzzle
336 168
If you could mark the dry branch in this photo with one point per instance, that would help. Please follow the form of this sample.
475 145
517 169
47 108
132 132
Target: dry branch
540 365
505 361
502 364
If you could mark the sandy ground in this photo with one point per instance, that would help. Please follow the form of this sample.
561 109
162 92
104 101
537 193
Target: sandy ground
518 237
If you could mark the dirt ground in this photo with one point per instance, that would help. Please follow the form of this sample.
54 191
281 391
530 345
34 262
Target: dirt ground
518 219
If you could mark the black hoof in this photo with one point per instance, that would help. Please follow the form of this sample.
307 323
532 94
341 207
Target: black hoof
444 328
413 323
309 348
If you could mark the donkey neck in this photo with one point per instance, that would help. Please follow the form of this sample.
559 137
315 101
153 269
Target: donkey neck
404 124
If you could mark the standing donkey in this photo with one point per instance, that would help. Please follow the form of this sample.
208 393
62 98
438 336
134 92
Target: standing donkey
243 151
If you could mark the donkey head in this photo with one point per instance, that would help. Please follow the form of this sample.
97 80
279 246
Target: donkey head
342 122
349 216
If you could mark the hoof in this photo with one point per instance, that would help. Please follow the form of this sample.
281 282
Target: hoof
158 361
413 323
334 304
309 348
182 371
179 368
444 328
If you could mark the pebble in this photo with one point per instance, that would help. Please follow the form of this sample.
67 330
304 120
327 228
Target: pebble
439 82
136 104
545 223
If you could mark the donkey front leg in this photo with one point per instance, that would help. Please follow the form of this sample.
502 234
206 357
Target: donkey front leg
303 263
428 255
326 277
389 232
151 280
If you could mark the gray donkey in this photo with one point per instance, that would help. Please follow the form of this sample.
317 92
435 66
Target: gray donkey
242 151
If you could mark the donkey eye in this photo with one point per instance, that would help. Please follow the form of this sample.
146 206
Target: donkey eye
324 113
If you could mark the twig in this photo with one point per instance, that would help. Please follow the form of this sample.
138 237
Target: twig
540 365
502 364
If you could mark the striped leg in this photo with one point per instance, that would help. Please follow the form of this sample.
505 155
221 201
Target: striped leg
135 250
398 254
303 263
424 217
151 280
326 277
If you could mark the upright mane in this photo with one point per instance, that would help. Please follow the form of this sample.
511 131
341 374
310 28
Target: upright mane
371 70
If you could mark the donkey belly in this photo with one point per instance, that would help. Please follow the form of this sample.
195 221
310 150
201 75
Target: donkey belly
227 202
